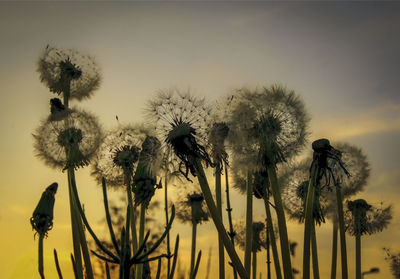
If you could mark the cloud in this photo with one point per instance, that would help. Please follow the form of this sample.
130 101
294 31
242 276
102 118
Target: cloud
380 120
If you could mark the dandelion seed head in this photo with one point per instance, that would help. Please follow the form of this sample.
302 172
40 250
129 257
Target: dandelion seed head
362 218
70 141
190 206
258 235
63 68
119 154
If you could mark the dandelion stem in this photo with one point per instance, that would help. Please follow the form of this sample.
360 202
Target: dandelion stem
57 265
249 224
141 235
314 252
271 235
357 229
196 267
108 217
133 221
284 240
193 249
217 221
221 251
268 244
334 248
82 237
158 269
166 222
343 249
254 264
171 275
308 223
41 271
229 210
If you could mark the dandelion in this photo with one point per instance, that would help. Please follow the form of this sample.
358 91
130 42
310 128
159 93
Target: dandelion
181 121
394 262
363 218
268 126
42 219
70 142
68 72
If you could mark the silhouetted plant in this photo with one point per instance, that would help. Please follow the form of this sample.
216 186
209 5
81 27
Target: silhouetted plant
181 121
270 126
394 262
68 72
42 220
363 218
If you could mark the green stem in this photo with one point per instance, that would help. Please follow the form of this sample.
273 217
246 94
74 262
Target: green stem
358 256
193 249
57 265
171 275
309 220
75 236
166 222
196 267
108 217
343 249
273 241
217 221
254 264
221 251
133 218
158 269
82 237
40 254
314 252
229 210
249 224
334 248
141 236
268 244
284 240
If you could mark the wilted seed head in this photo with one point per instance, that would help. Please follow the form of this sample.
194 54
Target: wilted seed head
190 207
119 154
295 181
181 120
144 179
258 236
65 70
42 217
273 119
69 141
363 218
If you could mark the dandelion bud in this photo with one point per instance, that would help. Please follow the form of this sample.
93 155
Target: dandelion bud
42 217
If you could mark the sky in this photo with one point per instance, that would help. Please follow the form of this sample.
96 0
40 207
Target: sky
341 57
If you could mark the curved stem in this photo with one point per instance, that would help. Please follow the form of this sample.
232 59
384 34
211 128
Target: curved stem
273 241
171 275
229 210
314 253
343 249
309 222
334 248
221 251
193 249
217 221
40 254
57 265
284 240
249 224
166 222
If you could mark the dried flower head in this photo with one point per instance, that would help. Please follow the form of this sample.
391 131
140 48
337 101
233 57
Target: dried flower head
65 70
119 154
259 236
271 121
294 181
363 218
181 121
70 141
42 217
356 164
394 261
190 206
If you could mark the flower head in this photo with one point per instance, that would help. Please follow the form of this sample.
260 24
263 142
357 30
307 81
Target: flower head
363 218
120 152
42 217
70 141
271 123
259 236
190 206
181 121
65 70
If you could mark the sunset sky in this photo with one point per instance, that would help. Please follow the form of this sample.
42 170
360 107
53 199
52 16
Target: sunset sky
342 58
